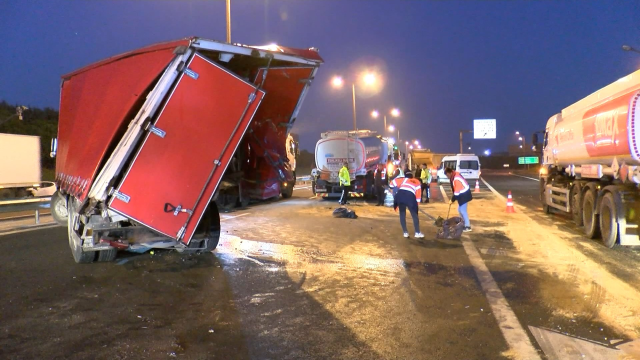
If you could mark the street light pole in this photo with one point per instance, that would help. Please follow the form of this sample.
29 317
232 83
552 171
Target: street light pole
461 132
353 88
229 21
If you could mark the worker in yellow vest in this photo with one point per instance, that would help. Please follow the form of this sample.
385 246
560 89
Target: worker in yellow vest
345 182
425 182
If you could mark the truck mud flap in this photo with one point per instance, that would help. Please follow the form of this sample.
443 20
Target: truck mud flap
187 148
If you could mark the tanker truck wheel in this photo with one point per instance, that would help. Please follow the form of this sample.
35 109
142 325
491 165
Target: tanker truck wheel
576 205
608 221
543 198
75 242
589 216
59 209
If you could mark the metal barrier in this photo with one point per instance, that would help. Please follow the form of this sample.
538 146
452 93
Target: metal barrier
9 206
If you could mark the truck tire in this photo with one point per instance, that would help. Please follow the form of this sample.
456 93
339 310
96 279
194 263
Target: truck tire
107 255
59 209
576 205
79 255
543 198
208 229
589 216
286 191
6 194
608 221
226 202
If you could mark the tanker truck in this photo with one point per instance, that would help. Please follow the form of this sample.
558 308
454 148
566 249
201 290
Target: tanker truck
147 138
361 149
591 163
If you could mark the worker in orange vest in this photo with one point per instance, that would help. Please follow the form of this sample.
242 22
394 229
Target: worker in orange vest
408 196
461 193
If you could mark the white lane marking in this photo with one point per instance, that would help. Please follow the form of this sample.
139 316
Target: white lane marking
314 197
526 177
512 331
444 193
233 217
34 227
493 190
302 187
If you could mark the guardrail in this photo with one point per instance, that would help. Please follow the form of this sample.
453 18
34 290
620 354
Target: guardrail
33 204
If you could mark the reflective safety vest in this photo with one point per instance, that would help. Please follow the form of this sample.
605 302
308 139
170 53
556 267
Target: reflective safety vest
383 173
412 185
460 185
345 178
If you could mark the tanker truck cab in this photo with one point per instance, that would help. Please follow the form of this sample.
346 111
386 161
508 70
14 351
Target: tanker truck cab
468 165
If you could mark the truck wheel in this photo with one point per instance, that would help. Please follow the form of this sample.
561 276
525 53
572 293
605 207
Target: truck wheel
543 198
209 229
576 205
6 194
107 255
226 202
286 191
608 221
59 209
589 216
75 243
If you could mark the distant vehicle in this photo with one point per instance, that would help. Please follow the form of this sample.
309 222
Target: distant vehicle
191 126
591 162
417 157
362 149
468 165
20 167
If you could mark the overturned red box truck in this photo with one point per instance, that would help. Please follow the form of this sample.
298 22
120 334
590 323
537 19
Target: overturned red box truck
152 141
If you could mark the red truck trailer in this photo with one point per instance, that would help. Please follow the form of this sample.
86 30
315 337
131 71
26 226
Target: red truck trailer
149 141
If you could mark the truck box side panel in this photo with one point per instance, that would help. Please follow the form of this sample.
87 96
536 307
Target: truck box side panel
20 160
203 122
284 87
94 106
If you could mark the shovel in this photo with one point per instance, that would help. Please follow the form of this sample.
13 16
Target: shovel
440 221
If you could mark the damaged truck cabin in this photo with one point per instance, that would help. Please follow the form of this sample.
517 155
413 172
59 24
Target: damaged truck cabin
150 142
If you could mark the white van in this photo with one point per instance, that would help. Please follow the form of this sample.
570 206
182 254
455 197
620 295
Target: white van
468 165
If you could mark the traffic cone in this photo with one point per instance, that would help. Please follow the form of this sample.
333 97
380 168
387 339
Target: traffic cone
510 208
477 187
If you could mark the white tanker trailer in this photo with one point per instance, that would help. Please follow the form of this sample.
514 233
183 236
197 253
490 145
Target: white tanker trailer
591 162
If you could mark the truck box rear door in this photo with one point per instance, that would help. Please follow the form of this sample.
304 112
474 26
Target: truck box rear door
177 169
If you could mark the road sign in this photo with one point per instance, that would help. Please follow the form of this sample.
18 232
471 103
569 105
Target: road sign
528 160
484 128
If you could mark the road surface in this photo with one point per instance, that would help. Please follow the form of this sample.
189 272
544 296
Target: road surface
289 281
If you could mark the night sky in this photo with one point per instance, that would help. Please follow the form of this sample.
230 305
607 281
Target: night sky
445 63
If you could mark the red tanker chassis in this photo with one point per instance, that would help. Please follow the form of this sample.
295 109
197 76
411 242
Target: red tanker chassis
146 138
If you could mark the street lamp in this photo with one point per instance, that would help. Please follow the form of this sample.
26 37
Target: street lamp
368 78
392 128
629 48
394 112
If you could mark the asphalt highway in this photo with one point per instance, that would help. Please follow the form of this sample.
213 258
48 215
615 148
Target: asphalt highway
289 281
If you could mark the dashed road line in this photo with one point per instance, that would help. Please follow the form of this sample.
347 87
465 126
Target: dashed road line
493 190
444 193
511 329
233 217
526 177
